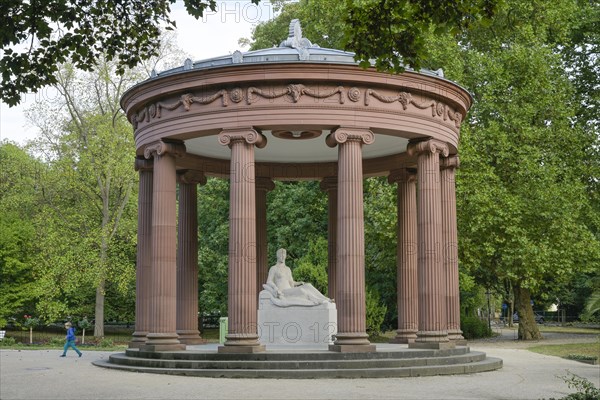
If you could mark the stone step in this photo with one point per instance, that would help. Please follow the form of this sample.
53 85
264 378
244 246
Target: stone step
488 364
293 363
288 355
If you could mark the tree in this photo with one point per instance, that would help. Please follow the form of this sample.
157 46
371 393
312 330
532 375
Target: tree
395 32
522 186
88 143
19 199
38 36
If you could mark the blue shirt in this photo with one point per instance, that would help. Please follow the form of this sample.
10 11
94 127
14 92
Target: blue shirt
71 334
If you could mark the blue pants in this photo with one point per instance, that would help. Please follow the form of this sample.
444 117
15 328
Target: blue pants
70 343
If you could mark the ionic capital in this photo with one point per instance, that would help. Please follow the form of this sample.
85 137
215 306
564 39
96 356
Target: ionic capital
451 162
265 184
329 183
431 146
249 135
343 135
160 148
402 175
141 164
191 177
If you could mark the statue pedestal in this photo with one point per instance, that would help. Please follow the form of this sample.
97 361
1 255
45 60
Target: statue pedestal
295 326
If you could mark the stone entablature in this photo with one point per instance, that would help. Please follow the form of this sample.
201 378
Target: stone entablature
280 96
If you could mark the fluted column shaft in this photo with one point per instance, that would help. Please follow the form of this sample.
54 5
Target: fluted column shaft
187 258
162 333
263 185
329 184
242 297
450 240
350 279
431 276
406 256
143 258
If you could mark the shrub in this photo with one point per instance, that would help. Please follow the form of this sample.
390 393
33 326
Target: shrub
474 328
56 341
585 389
106 342
375 312
8 341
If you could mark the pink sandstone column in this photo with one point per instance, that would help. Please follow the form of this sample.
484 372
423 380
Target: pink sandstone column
187 258
242 297
350 283
450 240
406 267
433 331
329 185
143 261
263 185
162 335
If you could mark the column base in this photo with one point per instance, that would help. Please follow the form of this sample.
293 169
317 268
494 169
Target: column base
404 336
241 343
138 339
190 337
432 345
432 336
352 343
455 334
162 342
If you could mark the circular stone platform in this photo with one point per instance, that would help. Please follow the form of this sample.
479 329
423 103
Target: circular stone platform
389 361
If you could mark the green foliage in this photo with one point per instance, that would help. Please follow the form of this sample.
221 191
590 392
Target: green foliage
585 389
592 306
522 190
474 328
8 341
380 244
213 245
84 323
56 341
19 200
312 267
580 357
37 37
321 23
375 312
296 214
85 230
106 342
30 322
394 32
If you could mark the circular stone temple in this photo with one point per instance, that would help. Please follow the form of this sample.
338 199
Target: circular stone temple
295 112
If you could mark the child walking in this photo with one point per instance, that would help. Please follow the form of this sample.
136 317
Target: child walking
70 340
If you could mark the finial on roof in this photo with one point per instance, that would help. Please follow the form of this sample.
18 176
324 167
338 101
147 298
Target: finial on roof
237 57
296 41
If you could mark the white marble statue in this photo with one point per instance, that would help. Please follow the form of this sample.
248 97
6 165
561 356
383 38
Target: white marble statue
286 292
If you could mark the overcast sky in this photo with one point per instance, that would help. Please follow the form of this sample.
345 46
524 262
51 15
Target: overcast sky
214 35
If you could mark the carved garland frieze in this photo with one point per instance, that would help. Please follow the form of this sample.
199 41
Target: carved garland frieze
295 92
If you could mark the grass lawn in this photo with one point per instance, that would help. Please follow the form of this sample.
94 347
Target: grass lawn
568 329
570 349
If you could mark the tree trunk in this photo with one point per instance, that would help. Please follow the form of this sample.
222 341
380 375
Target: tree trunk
99 312
511 302
528 329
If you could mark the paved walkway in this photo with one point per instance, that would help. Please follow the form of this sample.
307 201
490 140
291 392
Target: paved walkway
41 374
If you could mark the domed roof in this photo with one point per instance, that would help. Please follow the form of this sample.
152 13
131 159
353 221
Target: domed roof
295 49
